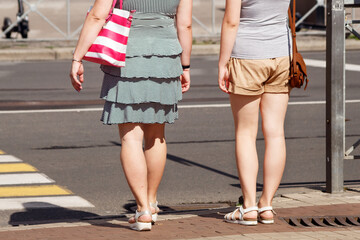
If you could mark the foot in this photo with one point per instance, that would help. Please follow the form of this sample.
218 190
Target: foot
143 218
266 215
154 211
243 216
141 221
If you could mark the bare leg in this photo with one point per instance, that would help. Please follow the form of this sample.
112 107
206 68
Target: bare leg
273 109
246 114
155 155
134 165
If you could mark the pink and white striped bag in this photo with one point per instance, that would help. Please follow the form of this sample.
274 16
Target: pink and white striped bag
109 47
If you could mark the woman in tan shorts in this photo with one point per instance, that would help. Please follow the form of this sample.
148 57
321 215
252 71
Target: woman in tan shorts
254 71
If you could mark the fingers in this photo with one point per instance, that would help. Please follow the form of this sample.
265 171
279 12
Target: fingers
185 88
75 82
223 88
77 70
81 78
223 80
185 81
185 85
81 73
224 85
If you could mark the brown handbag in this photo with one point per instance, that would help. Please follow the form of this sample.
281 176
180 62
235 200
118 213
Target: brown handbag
298 74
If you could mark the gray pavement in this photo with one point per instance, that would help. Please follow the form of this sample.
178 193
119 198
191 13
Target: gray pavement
60 50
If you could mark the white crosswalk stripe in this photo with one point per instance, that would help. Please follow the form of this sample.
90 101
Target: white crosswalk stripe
8 159
32 189
24 178
43 202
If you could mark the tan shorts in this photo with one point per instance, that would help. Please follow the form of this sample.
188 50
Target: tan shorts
255 77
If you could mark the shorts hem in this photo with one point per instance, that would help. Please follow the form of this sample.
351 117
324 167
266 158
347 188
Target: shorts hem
276 90
241 91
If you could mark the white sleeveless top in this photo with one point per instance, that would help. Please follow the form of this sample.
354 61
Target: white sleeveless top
263 30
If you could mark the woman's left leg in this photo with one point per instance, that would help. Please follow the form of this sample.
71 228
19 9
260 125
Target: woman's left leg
134 165
155 156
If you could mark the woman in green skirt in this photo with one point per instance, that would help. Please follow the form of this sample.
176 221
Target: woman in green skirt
142 96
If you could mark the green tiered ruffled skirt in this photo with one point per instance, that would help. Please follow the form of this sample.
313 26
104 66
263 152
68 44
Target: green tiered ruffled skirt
148 88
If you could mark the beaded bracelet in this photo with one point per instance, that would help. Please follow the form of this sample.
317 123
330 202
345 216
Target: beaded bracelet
75 60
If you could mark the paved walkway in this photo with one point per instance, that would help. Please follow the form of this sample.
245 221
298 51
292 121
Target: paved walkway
208 224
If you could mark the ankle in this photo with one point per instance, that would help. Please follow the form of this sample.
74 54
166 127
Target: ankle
153 207
152 199
264 203
248 204
250 212
142 208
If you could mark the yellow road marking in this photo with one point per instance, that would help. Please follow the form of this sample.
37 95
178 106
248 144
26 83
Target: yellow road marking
16 167
26 191
2 152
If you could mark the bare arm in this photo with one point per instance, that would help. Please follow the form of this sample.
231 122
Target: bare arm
92 26
228 34
184 31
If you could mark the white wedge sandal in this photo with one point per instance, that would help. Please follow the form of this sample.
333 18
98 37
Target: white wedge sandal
230 217
266 220
141 226
154 215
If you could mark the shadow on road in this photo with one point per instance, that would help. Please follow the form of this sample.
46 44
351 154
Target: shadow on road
48 213
192 163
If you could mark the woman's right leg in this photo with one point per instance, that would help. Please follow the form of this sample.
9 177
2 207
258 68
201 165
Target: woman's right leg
134 164
155 155
273 110
246 114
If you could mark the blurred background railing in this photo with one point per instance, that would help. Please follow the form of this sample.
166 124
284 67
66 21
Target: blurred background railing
63 19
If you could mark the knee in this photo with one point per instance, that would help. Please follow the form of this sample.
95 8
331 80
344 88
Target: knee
273 132
131 138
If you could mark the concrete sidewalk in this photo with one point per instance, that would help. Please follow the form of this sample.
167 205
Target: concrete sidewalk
311 215
62 50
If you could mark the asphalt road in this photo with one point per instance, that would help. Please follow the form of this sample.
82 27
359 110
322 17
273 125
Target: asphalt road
82 155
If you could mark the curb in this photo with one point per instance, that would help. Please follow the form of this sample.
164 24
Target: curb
65 53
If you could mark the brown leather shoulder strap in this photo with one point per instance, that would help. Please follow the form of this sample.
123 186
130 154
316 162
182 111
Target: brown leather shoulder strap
293 32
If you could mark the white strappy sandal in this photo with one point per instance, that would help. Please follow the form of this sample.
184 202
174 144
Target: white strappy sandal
154 215
141 226
266 220
230 217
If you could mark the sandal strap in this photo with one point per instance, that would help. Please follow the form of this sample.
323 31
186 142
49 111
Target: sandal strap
231 215
268 208
154 205
139 214
246 210
243 211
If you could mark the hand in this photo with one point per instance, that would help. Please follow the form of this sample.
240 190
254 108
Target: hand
223 79
77 70
185 80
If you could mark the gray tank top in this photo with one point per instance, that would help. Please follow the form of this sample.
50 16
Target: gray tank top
263 30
